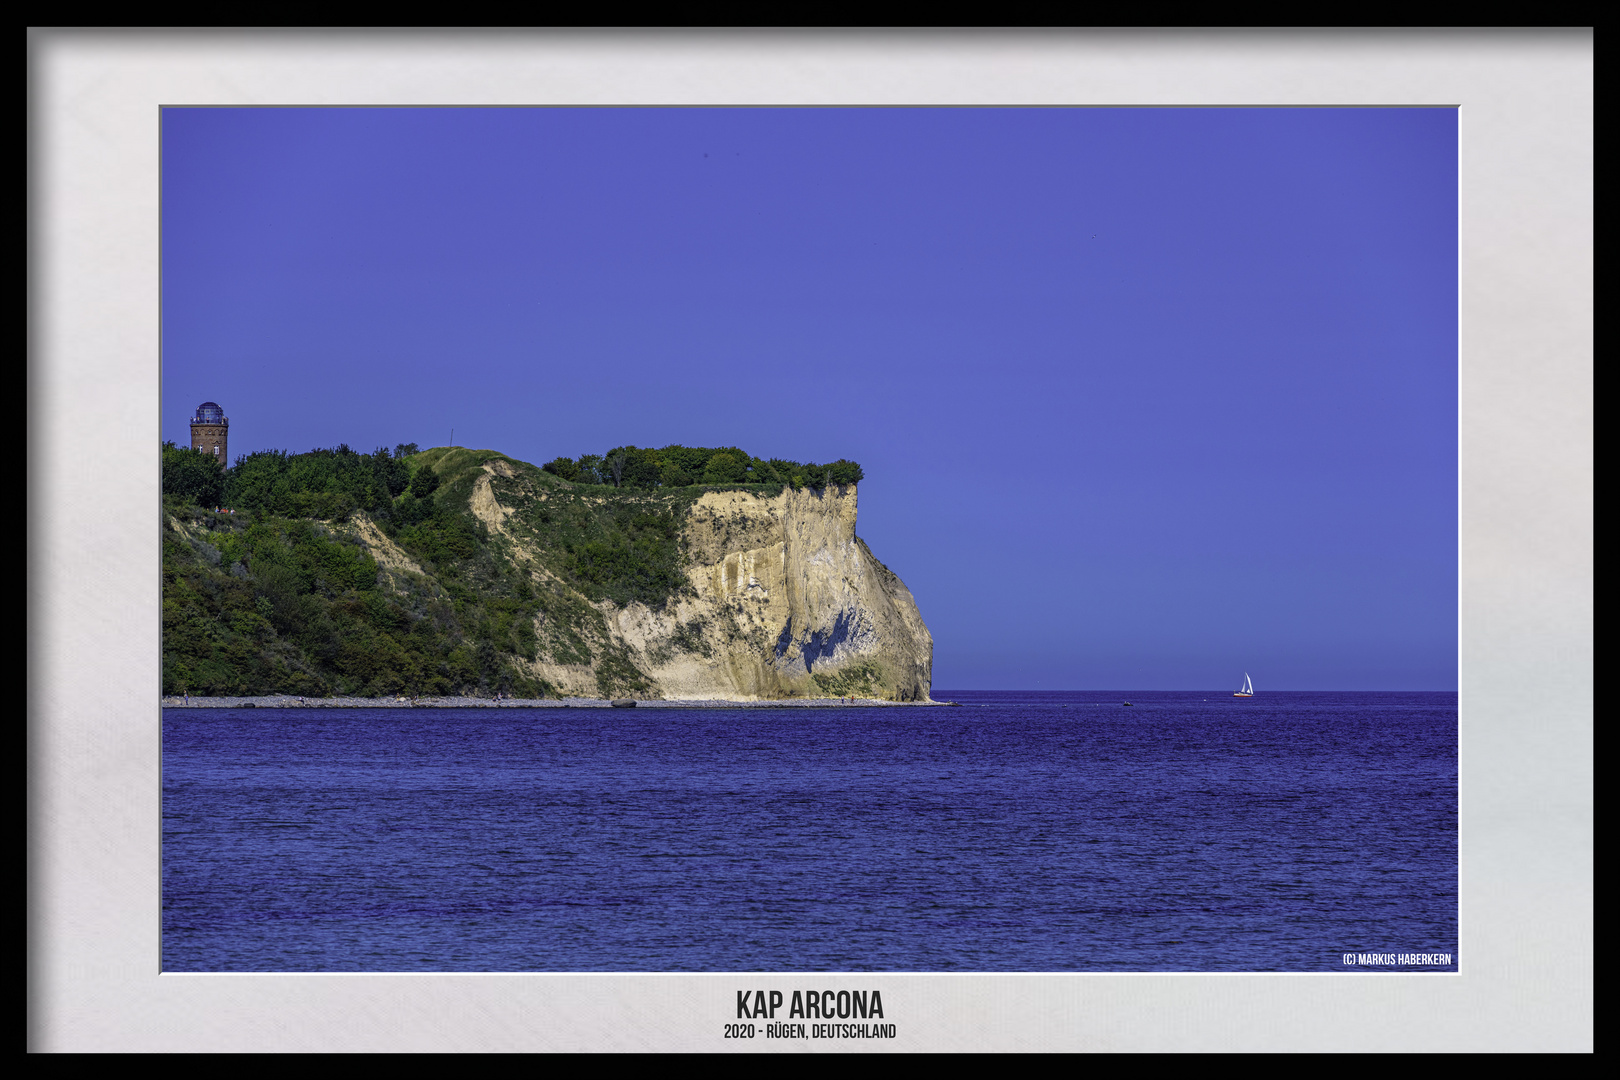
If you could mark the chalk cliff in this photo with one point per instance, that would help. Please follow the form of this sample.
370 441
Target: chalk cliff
783 600
793 604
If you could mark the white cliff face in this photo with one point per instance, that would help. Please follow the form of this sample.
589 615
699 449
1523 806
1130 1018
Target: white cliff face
792 604
786 601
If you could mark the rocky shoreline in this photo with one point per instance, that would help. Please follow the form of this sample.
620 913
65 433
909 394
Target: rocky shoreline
284 701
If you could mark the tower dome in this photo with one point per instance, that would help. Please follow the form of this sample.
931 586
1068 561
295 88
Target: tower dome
209 413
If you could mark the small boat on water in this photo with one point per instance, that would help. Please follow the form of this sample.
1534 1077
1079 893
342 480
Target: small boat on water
1248 687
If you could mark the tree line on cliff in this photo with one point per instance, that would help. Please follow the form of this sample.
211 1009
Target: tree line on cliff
329 483
322 483
676 466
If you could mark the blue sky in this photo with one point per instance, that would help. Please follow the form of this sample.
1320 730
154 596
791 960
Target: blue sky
1146 398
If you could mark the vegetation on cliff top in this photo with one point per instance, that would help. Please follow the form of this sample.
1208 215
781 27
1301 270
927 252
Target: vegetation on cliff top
676 466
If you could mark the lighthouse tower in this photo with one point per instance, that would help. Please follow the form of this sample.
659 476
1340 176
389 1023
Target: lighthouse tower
209 429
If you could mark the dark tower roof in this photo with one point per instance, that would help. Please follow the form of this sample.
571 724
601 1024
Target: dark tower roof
208 413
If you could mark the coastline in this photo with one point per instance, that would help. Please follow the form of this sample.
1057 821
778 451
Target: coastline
285 701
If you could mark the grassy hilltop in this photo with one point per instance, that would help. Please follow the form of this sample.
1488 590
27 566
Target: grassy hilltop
380 574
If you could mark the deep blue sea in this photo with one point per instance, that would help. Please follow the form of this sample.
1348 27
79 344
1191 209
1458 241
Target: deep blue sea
1059 831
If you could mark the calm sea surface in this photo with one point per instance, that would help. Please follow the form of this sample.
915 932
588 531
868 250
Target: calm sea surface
1023 832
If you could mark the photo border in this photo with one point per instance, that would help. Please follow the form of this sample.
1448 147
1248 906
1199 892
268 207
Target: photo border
1525 302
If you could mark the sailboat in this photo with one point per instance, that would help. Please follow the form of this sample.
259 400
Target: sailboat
1248 687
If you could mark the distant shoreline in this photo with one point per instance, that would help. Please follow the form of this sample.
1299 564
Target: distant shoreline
285 701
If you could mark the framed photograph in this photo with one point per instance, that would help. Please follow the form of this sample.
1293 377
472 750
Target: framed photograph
529 680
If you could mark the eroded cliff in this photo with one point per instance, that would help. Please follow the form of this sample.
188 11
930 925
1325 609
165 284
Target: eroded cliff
782 599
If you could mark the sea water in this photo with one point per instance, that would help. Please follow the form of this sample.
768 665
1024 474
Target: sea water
1185 832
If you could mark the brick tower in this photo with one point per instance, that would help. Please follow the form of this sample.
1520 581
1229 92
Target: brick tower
209 429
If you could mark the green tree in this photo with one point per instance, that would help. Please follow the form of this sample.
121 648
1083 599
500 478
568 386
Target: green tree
640 468
192 476
424 483
726 468
670 474
390 475
844 471
566 468
688 459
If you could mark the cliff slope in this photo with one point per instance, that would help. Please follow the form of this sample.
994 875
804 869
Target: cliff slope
781 598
